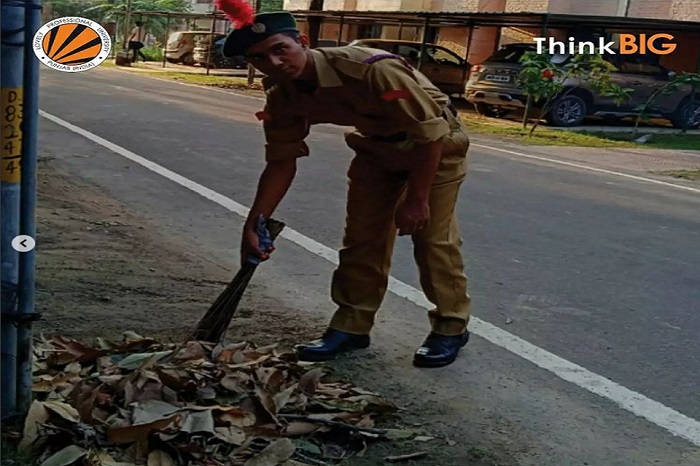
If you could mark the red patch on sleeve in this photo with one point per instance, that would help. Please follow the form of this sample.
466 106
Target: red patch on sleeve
263 116
396 94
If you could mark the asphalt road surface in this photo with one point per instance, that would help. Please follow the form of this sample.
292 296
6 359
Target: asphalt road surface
600 270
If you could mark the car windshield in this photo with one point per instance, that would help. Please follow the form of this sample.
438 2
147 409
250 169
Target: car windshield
441 55
509 54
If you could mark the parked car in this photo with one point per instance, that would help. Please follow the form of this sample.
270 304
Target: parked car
444 68
217 60
494 91
180 46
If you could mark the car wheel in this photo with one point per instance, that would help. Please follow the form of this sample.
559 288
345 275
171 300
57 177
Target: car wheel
569 110
187 59
687 115
171 60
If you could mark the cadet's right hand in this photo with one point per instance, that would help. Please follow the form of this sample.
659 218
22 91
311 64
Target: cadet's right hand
250 246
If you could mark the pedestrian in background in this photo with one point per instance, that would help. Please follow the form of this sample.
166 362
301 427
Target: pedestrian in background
136 41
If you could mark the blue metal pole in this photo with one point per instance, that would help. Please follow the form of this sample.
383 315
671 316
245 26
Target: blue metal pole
27 221
11 153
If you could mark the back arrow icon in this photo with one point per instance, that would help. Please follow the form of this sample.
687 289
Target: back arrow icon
23 243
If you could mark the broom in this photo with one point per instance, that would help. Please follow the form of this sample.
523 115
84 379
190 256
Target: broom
215 322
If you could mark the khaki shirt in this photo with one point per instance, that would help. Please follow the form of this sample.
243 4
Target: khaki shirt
381 99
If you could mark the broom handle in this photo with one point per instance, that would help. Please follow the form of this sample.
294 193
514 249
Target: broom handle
267 231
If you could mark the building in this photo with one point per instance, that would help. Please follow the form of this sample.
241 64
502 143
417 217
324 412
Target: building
479 43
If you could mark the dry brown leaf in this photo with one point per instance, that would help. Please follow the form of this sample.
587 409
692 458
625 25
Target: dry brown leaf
86 405
266 400
30 435
277 452
173 379
66 350
282 398
73 368
159 458
152 410
64 410
331 392
366 422
131 434
309 381
110 379
193 350
232 435
198 421
236 383
298 428
271 377
238 418
409 456
65 457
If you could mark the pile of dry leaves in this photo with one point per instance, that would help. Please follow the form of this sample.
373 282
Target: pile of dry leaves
144 402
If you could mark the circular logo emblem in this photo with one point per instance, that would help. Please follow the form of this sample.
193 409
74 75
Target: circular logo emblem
71 44
258 28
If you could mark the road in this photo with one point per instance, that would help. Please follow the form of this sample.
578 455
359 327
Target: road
597 269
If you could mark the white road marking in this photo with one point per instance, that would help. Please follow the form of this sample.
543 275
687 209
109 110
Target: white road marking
586 167
674 422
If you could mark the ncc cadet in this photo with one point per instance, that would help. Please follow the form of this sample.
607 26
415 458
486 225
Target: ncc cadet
410 160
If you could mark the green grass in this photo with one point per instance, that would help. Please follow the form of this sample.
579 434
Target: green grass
692 175
659 141
542 136
227 82
511 130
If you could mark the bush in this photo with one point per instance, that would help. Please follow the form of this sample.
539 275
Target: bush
154 53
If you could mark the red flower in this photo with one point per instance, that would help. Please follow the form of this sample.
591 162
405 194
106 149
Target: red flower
548 74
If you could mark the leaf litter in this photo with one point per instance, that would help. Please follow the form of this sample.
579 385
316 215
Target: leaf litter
142 402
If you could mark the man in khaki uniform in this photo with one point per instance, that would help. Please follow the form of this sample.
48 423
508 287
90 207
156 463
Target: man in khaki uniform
410 161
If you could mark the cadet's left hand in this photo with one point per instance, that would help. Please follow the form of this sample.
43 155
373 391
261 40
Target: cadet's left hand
412 215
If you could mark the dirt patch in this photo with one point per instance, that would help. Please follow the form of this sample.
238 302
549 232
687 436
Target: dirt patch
101 271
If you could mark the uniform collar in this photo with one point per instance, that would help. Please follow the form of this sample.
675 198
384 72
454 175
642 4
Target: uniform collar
327 76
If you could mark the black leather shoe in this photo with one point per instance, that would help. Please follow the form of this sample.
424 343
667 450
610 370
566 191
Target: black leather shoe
332 343
439 350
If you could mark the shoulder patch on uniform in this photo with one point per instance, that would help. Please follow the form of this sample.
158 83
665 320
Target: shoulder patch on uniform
384 56
352 68
396 94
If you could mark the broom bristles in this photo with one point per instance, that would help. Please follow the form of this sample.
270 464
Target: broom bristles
213 325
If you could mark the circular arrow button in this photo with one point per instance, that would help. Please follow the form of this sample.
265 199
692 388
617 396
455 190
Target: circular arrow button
23 243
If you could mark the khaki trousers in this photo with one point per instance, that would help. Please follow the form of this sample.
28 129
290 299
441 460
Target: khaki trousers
360 281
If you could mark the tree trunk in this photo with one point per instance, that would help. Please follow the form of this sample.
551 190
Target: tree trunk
528 106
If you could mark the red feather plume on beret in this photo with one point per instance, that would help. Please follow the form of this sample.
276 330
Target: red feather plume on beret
240 12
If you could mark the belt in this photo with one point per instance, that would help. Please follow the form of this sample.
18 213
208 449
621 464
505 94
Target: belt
403 135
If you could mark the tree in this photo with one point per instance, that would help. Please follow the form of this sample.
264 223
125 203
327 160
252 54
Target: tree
544 81
108 10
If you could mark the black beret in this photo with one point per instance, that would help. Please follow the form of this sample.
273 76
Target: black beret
264 25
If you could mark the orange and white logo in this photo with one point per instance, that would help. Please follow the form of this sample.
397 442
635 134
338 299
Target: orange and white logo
72 44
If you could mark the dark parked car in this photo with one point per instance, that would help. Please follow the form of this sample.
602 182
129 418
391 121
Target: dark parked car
217 60
493 89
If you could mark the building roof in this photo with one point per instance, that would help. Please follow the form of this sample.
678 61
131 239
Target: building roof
524 19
